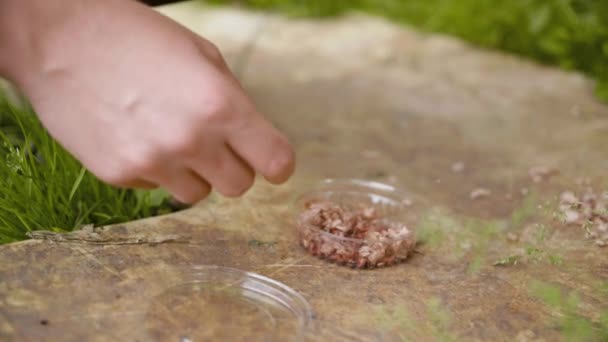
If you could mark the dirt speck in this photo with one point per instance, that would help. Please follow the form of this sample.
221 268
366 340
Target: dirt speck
479 193
457 167
542 173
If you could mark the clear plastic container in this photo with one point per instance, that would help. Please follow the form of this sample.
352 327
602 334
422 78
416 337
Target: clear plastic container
212 303
388 241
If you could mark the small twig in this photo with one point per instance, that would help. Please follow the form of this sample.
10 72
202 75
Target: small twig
96 238
288 265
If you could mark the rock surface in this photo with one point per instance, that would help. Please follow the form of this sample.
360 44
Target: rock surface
361 97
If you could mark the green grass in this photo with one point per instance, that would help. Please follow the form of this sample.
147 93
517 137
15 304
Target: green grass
572 34
526 210
42 187
439 318
398 323
567 319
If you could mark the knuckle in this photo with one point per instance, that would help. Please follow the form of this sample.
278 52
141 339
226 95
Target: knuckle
213 52
217 109
183 143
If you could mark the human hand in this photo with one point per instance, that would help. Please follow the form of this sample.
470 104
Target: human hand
140 100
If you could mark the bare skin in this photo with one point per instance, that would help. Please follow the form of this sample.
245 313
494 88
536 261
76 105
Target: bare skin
140 100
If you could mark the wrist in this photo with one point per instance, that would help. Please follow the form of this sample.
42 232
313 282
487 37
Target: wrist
10 36
15 37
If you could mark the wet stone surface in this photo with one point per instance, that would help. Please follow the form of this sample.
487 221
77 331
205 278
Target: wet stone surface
363 98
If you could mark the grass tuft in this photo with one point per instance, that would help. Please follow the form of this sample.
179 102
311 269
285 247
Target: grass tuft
43 187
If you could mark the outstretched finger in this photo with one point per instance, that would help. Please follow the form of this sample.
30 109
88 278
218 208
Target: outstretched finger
264 148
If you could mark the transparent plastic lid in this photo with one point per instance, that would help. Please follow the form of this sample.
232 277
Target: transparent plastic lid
389 201
223 304
355 223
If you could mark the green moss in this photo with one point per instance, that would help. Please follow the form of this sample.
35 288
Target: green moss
433 228
397 319
398 322
526 210
511 260
254 243
439 319
565 306
555 260
475 265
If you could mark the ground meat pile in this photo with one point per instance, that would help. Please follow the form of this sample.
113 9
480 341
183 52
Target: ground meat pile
589 211
379 242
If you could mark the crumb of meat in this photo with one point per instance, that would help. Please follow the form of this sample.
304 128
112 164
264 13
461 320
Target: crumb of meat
588 211
541 173
479 193
457 167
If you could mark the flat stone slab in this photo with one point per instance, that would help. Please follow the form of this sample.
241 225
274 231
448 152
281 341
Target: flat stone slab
362 98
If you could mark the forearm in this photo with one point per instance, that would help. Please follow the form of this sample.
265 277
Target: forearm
10 35
28 29
19 21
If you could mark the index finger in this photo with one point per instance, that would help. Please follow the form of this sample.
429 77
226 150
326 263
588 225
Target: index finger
264 148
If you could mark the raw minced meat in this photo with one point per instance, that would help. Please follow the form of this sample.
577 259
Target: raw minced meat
357 237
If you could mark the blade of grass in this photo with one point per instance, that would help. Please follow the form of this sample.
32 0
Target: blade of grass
77 183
